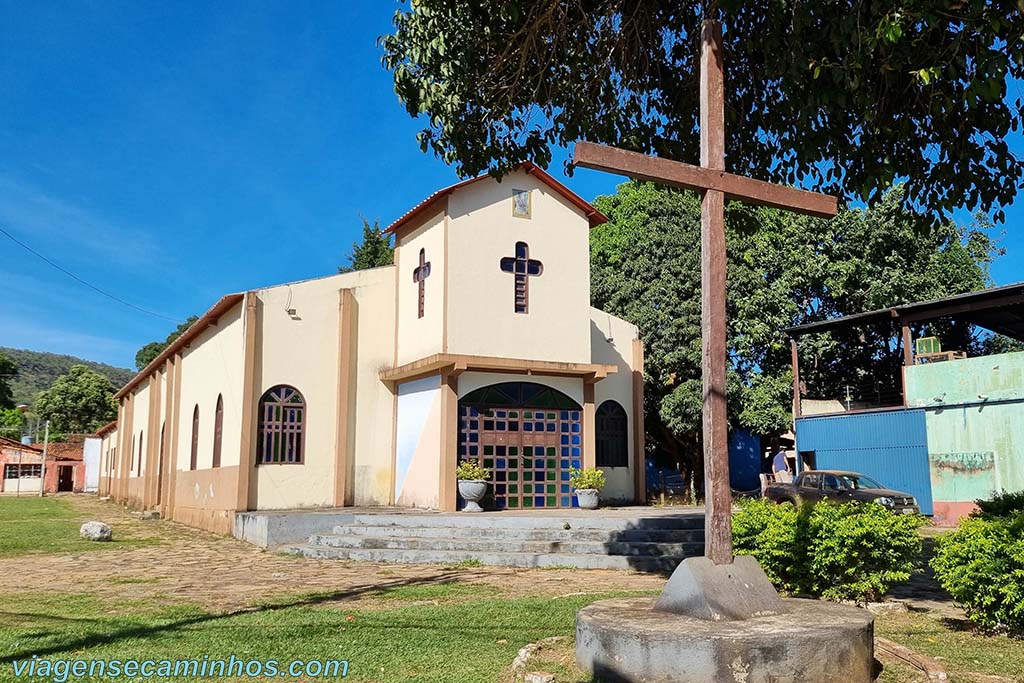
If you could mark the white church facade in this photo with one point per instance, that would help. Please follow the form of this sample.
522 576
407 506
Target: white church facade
367 388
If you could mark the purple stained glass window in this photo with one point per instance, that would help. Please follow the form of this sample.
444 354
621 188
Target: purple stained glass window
281 426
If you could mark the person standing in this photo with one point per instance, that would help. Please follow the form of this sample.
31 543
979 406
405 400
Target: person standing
780 467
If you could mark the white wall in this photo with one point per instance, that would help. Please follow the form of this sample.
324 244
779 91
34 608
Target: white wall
140 430
212 365
617 387
482 318
419 337
373 422
302 351
91 456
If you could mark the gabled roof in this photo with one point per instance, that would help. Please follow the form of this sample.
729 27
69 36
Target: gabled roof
107 428
225 304
594 216
64 451
14 443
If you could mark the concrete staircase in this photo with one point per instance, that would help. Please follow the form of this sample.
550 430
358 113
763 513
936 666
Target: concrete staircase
655 543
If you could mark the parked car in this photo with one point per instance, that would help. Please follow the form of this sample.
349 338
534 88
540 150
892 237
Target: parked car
840 487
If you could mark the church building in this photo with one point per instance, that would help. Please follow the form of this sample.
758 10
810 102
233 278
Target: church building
367 388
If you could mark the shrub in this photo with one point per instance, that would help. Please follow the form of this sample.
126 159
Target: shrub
856 551
470 470
1001 504
981 564
586 479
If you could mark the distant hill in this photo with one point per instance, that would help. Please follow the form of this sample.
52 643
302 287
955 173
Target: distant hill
37 370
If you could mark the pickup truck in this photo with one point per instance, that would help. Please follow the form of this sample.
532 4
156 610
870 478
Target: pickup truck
839 486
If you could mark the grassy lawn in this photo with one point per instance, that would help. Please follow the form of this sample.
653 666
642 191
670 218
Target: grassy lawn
965 654
390 623
444 633
451 633
33 525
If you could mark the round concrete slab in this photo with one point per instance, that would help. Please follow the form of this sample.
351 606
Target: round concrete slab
626 641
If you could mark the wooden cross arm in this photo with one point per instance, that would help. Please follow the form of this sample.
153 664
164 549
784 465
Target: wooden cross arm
698 178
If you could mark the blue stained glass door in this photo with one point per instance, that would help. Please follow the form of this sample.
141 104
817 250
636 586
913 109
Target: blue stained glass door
529 452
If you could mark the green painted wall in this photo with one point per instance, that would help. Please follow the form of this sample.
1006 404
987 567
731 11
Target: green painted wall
976 427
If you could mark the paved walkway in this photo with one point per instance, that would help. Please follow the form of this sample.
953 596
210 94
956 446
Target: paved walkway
222 573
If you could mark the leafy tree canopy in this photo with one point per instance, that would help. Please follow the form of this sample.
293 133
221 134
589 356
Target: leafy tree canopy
784 270
845 97
147 353
8 371
374 251
11 421
78 402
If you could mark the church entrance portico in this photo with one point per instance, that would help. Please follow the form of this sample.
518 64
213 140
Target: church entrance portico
529 436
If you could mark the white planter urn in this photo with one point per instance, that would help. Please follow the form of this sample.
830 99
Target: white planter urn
587 498
472 491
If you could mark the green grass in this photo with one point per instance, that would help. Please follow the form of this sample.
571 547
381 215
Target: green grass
960 649
463 637
462 642
33 525
465 564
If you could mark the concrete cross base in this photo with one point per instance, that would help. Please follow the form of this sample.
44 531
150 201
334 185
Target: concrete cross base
628 641
701 589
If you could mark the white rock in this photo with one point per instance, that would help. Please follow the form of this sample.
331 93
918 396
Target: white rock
96 531
539 677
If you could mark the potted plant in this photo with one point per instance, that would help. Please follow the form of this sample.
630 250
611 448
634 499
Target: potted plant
588 484
472 484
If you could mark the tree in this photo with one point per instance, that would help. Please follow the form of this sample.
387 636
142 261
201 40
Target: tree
150 351
8 371
374 251
79 402
843 96
11 421
784 270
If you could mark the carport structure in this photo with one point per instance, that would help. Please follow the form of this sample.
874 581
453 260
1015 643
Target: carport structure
953 434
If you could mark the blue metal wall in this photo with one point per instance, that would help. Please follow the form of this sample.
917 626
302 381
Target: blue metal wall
744 460
890 446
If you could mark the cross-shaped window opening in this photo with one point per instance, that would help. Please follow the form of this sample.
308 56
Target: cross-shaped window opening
523 268
419 275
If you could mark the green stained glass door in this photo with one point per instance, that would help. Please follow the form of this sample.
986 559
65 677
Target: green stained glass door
528 450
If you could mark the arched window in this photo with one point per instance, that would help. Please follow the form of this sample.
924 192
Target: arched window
611 435
138 469
218 430
281 426
194 461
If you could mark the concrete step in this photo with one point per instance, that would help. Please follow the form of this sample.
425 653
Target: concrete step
499 559
684 520
560 535
508 546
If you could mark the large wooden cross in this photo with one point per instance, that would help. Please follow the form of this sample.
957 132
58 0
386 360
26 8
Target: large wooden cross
716 186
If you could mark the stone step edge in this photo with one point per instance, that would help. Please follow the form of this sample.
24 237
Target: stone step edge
600 535
468 520
500 559
573 547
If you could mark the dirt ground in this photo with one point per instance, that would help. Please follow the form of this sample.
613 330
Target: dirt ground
223 574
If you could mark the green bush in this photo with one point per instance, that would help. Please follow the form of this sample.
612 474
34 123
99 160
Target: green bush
586 479
981 564
838 552
1001 504
471 470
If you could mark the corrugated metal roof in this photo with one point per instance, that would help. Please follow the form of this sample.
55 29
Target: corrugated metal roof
1000 309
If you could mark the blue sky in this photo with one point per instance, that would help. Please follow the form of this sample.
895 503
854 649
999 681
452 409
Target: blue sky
173 152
